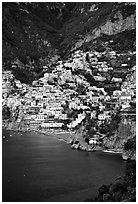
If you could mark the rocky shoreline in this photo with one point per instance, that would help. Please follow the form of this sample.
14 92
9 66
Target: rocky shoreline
72 138
77 141
105 193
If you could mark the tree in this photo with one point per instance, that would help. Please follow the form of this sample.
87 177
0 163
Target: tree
6 112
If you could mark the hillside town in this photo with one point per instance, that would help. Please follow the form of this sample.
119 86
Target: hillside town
69 101
91 89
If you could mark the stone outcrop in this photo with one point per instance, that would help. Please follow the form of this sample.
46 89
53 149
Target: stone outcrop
126 130
110 28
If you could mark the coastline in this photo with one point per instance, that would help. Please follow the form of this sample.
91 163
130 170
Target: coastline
63 136
67 137
42 159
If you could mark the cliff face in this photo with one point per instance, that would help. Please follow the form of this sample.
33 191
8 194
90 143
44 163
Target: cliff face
126 130
92 20
113 28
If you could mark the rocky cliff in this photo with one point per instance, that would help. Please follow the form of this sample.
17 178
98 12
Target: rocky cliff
125 131
93 20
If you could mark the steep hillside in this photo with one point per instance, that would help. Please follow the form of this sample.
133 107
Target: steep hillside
94 20
28 38
34 32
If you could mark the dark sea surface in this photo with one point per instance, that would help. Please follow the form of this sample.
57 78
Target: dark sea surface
38 168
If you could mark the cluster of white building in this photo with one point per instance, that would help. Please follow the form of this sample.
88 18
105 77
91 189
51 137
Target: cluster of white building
43 104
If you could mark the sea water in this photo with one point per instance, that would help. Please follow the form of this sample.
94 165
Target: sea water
38 168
